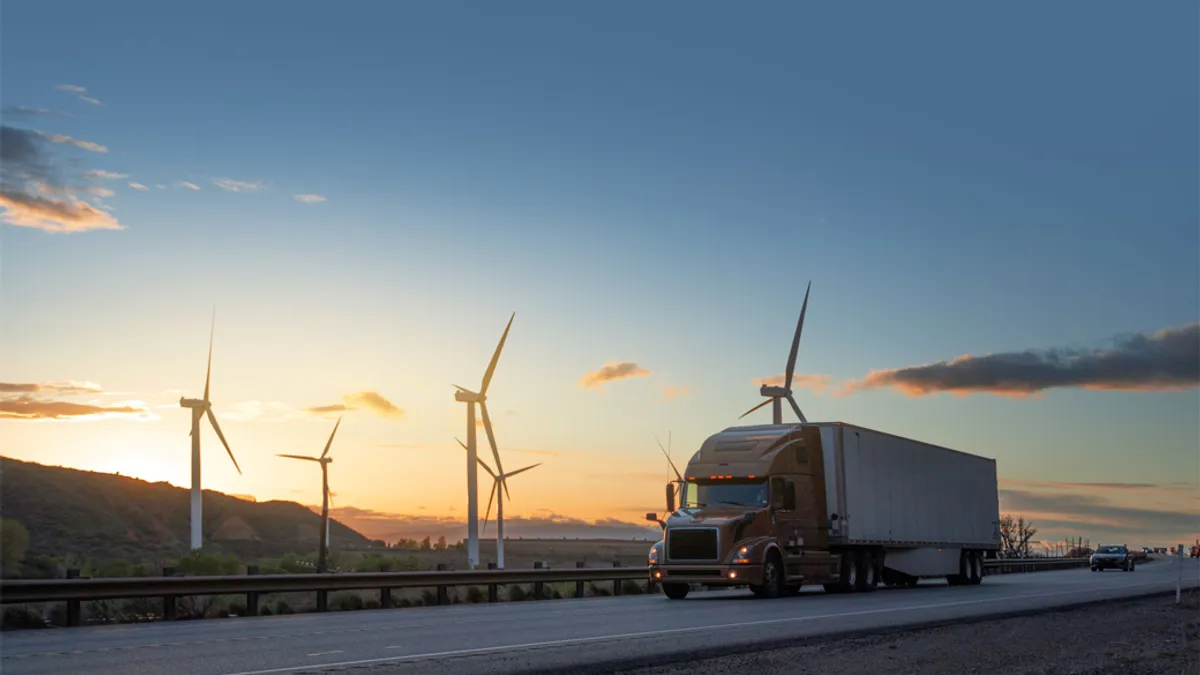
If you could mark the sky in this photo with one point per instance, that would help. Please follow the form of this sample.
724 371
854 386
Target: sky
366 194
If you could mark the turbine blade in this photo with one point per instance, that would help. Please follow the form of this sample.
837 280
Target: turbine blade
335 428
487 377
478 459
488 514
791 364
462 389
755 408
668 456
513 473
796 409
217 428
208 371
307 459
487 426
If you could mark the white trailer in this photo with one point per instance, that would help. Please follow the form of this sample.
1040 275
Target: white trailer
934 512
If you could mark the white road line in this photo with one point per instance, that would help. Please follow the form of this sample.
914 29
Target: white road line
336 651
671 631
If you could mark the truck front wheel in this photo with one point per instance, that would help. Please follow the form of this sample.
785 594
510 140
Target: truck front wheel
676 591
773 584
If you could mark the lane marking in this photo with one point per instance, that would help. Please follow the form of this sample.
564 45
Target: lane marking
336 651
672 631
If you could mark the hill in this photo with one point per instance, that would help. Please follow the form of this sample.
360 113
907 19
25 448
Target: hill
69 512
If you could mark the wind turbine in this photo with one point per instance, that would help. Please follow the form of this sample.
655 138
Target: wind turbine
471 398
324 460
200 408
498 480
774 394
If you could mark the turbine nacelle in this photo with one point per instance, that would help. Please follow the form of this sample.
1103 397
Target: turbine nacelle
194 403
468 396
773 391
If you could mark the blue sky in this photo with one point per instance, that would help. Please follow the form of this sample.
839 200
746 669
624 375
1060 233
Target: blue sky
646 184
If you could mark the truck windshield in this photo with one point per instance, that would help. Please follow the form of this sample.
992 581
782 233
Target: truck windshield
698 495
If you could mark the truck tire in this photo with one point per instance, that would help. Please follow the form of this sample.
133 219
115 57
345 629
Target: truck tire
848 580
675 591
964 567
976 568
868 571
774 582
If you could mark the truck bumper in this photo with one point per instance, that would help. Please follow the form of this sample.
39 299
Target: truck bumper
709 575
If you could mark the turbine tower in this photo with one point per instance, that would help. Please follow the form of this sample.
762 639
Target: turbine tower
202 407
471 398
774 394
498 480
324 460
678 476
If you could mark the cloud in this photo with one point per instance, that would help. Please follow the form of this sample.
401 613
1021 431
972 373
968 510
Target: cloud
25 111
35 193
364 400
1098 485
79 93
100 191
190 186
309 199
160 186
672 392
612 372
815 383
1167 360
68 387
27 407
1097 516
63 138
106 175
237 185
138 186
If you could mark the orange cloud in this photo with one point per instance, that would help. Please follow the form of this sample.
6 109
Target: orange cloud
1167 360
612 372
364 400
815 383
27 407
672 391
69 387
55 215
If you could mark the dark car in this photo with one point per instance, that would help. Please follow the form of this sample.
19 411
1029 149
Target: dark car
1116 557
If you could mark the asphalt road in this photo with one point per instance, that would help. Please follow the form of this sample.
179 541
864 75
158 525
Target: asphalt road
520 637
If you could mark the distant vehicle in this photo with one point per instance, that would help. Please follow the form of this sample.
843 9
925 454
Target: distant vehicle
775 507
1115 557
1195 551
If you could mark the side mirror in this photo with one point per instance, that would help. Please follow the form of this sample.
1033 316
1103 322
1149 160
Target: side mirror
652 517
670 498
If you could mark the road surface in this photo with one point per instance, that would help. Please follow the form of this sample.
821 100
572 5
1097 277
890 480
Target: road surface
520 637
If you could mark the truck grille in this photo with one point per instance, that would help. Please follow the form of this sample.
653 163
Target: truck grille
692 544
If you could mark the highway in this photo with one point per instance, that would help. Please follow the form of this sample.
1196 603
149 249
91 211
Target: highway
547 635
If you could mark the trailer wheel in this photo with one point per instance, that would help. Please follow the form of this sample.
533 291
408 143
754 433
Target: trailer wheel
868 572
976 568
848 581
675 591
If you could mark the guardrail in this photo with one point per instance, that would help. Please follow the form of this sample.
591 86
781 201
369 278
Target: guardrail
73 591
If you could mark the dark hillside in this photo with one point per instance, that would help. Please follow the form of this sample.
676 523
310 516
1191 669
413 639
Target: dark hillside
110 517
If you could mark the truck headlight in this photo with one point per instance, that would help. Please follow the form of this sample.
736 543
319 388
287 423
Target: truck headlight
654 554
742 556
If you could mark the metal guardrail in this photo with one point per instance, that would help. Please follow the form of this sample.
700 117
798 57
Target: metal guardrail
73 591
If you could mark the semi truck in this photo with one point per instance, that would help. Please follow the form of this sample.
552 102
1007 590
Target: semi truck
777 507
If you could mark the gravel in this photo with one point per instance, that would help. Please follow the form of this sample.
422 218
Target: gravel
1136 637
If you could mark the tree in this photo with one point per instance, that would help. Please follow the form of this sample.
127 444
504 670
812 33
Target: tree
441 544
425 544
1015 534
14 542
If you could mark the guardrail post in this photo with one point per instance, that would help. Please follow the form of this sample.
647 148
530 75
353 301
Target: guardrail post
168 600
579 584
385 598
539 589
442 597
74 613
252 596
617 583
322 600
491 587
